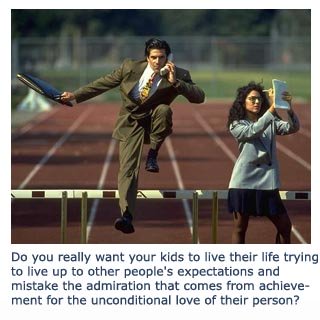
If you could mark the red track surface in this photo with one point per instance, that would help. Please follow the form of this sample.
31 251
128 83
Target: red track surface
199 145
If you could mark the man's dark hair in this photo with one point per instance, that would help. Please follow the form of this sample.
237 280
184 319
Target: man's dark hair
154 43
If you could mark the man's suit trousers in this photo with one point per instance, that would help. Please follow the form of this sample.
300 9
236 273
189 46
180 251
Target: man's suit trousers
152 130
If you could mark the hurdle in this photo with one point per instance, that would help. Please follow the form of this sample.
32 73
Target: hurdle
194 195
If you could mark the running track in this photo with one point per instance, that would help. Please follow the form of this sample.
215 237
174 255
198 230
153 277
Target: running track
71 148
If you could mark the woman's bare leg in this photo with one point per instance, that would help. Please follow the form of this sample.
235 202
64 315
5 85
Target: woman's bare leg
240 225
283 224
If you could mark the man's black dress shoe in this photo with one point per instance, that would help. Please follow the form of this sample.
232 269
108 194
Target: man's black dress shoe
152 165
124 223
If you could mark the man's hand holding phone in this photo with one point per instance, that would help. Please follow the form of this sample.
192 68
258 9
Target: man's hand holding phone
169 70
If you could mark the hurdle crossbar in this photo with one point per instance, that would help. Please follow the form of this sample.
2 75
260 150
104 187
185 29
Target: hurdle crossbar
194 195
142 194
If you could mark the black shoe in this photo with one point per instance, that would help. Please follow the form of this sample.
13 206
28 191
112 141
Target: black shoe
152 165
124 223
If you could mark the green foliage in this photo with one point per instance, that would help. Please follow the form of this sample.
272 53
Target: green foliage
164 22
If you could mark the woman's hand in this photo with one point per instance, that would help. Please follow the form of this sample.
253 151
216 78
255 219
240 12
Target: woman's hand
286 96
270 95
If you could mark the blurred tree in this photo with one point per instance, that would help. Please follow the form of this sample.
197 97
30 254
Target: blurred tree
249 22
293 23
185 22
191 22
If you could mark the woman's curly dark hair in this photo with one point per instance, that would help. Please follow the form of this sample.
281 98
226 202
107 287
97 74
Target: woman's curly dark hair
237 111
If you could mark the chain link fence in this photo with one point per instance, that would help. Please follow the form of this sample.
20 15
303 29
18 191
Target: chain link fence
72 62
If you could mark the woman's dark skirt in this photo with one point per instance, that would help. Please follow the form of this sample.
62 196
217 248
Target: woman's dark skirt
255 202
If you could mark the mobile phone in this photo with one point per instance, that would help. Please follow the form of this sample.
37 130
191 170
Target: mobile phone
165 70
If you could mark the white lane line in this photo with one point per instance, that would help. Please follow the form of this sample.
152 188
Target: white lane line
298 235
177 174
204 124
293 156
54 148
305 132
30 125
208 129
103 175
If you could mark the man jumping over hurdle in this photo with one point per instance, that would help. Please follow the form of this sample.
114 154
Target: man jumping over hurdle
147 88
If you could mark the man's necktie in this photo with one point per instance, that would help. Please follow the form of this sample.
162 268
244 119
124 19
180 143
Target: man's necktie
145 91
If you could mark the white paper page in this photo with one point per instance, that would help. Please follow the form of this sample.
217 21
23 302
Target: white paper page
279 87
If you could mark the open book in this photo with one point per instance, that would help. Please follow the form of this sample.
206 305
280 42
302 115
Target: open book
280 86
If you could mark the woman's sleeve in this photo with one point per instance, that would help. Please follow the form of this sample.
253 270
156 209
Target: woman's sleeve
287 127
244 130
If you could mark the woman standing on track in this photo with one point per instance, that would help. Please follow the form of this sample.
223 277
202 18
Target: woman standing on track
254 184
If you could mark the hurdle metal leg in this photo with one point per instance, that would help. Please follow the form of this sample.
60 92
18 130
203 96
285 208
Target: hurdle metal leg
214 219
84 217
195 217
63 229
